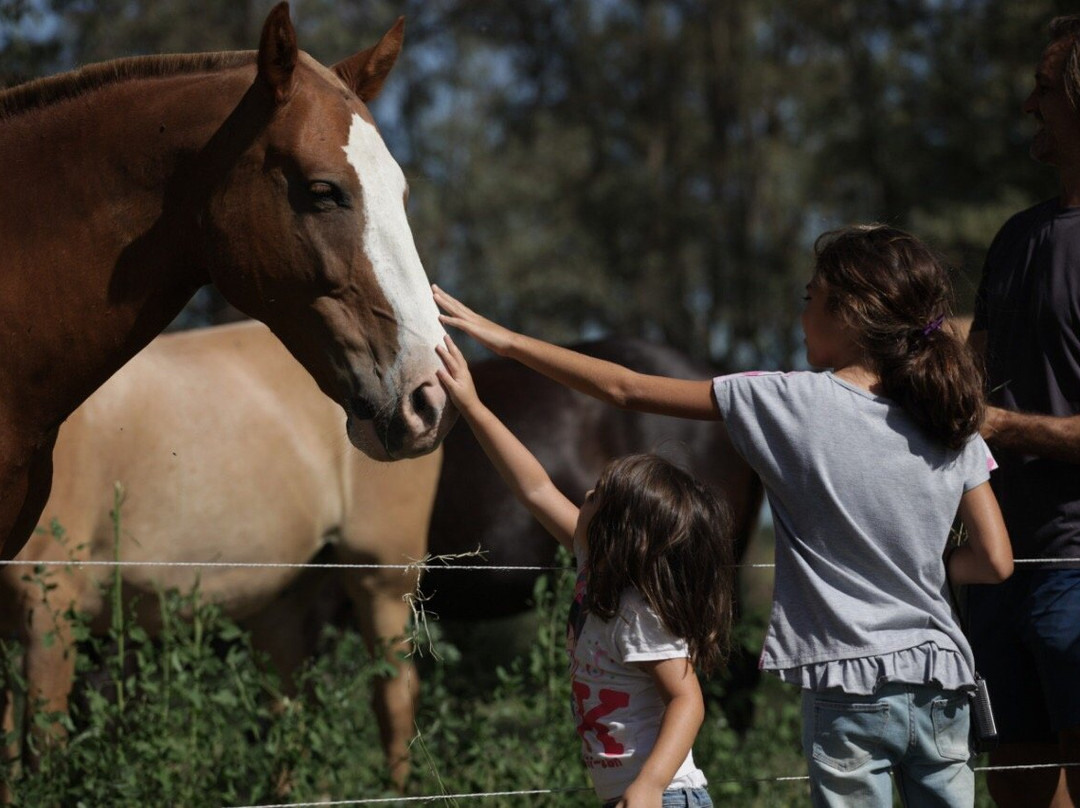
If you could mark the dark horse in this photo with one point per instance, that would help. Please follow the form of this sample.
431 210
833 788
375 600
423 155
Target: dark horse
127 186
573 436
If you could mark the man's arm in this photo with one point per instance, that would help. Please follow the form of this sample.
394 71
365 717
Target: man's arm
1050 436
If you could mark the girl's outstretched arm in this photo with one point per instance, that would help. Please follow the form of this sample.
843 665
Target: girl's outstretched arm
514 462
607 381
986 557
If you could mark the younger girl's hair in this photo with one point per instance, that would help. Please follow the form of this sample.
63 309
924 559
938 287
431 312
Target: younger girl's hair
659 530
893 291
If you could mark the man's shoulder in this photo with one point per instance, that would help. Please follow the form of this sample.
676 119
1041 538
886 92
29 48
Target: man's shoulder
1021 227
1040 212
1047 219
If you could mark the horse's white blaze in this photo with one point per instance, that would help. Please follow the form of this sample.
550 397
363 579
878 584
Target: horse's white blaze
389 243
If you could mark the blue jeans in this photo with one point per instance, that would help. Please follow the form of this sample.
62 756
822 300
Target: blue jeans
678 798
918 733
1025 633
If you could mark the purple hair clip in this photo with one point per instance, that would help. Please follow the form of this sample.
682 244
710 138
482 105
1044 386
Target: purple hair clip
933 325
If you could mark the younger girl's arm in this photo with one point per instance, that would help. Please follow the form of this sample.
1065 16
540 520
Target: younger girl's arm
683 715
607 381
986 557
515 463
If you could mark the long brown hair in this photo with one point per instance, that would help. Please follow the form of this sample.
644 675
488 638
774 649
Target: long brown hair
659 530
893 291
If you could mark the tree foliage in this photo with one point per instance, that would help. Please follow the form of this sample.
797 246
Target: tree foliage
652 167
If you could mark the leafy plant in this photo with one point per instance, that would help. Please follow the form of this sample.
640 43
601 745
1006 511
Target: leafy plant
204 722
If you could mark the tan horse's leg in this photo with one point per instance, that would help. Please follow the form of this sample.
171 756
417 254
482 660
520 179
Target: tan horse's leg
49 663
12 732
47 660
382 613
50 651
35 609
286 630
10 628
390 508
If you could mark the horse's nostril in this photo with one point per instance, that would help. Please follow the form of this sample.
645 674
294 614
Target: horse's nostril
425 404
420 404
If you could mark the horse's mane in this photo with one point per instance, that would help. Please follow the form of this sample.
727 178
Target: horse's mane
45 91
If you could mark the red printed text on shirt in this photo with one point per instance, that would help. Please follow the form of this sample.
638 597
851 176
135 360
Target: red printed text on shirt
609 701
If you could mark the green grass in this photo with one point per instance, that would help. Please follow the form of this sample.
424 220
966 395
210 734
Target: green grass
194 719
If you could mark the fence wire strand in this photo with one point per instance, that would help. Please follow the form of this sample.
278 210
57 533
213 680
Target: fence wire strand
440 563
418 565
479 795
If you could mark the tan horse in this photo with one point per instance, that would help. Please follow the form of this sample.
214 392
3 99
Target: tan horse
228 452
125 187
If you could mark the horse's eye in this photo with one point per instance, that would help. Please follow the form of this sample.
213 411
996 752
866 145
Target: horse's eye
326 196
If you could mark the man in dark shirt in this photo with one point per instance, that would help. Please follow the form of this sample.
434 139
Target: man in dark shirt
1026 632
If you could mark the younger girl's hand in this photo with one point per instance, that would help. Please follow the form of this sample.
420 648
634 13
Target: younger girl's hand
455 376
491 335
641 796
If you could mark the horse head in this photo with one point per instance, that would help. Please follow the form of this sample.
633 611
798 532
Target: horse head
302 217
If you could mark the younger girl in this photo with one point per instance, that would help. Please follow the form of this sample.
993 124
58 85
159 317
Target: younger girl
865 467
644 614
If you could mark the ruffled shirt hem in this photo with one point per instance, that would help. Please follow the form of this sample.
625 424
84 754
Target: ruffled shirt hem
921 664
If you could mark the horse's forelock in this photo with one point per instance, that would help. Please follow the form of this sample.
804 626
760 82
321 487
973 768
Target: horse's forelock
43 92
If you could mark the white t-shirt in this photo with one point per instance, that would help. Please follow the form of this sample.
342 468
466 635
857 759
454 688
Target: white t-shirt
616 705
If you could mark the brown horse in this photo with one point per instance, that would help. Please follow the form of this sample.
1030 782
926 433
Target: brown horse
228 452
125 187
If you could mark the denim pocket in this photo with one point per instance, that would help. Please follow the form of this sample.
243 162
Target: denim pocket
846 734
952 725
687 798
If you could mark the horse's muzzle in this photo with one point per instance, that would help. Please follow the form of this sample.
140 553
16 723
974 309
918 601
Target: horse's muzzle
414 426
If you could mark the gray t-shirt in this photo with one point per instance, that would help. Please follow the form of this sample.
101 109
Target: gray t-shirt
862 502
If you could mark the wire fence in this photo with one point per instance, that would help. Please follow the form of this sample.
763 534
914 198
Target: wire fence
547 792
424 564
443 564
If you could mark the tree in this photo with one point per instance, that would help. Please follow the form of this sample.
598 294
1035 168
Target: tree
654 167
28 44
662 167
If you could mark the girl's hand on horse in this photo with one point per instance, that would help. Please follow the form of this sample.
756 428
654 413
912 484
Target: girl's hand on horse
455 376
491 335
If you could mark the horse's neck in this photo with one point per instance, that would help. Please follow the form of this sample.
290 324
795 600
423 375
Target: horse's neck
96 258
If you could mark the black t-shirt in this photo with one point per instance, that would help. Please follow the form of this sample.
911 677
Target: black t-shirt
1029 305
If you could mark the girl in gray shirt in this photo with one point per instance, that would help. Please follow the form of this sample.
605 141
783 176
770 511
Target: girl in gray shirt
865 467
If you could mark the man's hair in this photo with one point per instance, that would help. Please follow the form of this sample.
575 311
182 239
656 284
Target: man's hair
1068 27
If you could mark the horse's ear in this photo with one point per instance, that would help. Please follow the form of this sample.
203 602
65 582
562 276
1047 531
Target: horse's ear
365 72
278 53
